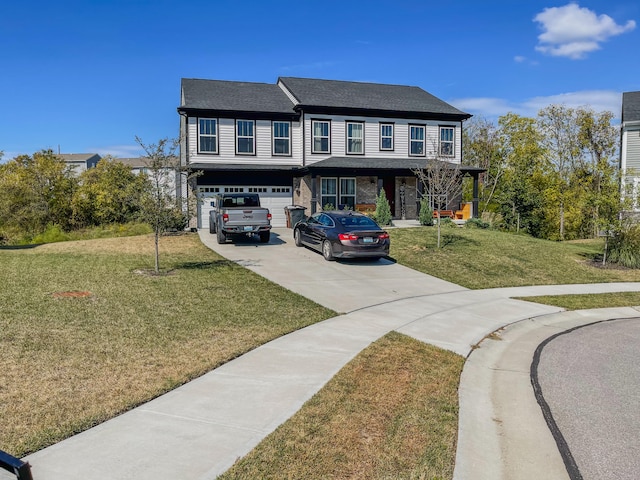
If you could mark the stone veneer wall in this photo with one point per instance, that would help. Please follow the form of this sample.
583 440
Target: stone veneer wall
366 191
410 197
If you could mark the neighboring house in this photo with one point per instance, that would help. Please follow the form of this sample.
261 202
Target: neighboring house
80 162
140 165
630 147
316 142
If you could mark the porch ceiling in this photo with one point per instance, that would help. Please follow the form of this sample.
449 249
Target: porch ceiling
366 165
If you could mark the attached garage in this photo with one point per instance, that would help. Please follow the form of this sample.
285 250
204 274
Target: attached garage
273 197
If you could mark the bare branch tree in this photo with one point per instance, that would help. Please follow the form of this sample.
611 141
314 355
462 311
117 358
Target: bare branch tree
442 184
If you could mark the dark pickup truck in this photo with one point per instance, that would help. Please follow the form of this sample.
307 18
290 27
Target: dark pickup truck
239 214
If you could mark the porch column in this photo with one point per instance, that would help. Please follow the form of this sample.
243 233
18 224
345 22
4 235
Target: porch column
314 193
476 200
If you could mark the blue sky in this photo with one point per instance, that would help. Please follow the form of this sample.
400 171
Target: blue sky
88 76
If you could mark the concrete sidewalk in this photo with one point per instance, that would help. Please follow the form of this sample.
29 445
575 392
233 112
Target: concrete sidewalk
198 430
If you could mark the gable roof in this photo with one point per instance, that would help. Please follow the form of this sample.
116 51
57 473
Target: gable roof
630 107
78 157
337 94
227 96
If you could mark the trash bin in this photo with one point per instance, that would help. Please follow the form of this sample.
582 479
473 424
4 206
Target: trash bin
294 214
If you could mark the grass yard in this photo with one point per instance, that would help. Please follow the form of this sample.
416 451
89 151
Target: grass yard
86 336
392 412
476 258
81 322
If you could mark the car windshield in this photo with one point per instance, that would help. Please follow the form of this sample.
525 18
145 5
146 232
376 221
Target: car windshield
357 222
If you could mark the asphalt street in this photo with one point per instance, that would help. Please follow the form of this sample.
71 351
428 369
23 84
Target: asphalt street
590 380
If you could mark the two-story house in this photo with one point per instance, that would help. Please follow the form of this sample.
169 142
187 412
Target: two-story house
316 143
630 147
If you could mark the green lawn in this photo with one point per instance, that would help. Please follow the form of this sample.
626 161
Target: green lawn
69 361
81 320
476 258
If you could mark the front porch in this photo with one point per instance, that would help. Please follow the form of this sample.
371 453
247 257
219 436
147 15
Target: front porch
354 183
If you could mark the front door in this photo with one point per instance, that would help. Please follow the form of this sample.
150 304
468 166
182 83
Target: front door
389 186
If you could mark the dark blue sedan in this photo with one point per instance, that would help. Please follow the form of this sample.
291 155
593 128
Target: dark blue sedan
342 234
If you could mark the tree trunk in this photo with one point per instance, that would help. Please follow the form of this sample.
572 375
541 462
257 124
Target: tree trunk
561 220
157 242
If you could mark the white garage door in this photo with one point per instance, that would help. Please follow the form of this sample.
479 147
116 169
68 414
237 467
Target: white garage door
273 197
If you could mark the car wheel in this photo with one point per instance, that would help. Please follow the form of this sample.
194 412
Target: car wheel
264 237
327 251
222 238
297 238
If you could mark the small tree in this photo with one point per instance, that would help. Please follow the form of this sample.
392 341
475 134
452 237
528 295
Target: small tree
161 207
383 209
443 183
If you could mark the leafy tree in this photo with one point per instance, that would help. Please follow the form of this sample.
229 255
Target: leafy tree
35 191
109 193
484 149
160 207
520 195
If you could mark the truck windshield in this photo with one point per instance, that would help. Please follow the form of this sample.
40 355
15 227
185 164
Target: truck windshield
247 201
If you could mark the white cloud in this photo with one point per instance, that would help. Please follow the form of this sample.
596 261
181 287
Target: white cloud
519 58
598 100
573 32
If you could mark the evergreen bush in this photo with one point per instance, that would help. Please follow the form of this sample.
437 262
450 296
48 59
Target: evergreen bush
383 209
426 213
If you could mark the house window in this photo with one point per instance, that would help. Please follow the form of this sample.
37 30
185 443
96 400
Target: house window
446 141
355 137
386 136
208 135
281 138
348 192
416 140
329 193
245 137
321 136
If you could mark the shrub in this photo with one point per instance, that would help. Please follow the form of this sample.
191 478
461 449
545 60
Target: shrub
476 223
52 234
426 213
383 209
624 247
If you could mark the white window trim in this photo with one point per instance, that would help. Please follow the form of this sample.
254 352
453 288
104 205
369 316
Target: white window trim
210 152
424 141
387 136
252 137
452 141
274 138
347 138
313 136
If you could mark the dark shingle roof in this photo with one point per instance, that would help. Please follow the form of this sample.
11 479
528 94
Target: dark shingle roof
359 95
631 106
234 96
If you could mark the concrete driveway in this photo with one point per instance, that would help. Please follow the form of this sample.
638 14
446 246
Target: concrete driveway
342 285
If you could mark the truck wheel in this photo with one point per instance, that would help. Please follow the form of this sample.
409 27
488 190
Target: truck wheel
222 238
264 237
327 251
297 237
